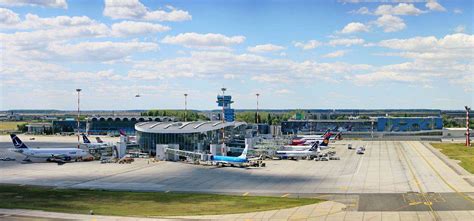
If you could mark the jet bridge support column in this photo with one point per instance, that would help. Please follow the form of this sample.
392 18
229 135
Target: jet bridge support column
160 151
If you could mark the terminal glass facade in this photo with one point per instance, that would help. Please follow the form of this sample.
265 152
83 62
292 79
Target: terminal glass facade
379 124
187 141
310 127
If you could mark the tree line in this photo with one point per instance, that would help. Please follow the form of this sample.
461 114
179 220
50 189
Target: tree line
179 114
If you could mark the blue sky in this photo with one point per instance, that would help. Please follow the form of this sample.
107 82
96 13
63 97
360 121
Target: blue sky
296 54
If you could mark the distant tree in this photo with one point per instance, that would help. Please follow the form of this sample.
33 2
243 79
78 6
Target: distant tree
343 117
22 127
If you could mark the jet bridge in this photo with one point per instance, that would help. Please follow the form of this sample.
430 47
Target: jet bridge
187 154
172 152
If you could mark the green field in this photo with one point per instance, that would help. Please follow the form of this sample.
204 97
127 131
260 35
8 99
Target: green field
138 203
459 152
9 125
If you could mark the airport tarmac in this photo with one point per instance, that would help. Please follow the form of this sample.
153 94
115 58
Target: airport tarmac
390 176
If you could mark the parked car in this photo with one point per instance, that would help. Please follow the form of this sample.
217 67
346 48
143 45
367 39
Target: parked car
349 146
360 150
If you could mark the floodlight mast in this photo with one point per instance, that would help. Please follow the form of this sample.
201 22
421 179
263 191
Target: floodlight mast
78 115
468 140
185 107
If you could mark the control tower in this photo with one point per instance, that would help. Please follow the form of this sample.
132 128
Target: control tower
225 101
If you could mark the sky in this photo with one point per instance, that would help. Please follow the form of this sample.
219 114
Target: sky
326 54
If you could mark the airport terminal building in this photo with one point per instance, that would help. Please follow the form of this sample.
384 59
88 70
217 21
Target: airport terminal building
190 136
112 124
375 124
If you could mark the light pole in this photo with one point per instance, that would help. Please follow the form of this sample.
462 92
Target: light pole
185 107
78 115
256 120
468 141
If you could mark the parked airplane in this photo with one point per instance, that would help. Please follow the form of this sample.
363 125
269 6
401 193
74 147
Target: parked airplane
99 140
89 144
313 151
322 143
310 139
128 139
231 160
58 155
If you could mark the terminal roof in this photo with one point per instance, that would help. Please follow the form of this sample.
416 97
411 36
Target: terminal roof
184 127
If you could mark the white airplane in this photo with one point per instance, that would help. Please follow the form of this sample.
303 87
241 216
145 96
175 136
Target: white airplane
128 139
313 151
90 145
58 155
322 144
99 140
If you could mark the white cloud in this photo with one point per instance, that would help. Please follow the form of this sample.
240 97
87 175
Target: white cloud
346 41
32 21
354 27
8 17
362 11
390 23
211 64
386 76
55 25
284 91
466 82
452 43
335 54
130 28
433 5
98 51
42 3
265 48
39 38
457 11
460 29
205 41
449 58
271 78
400 9
311 44
134 9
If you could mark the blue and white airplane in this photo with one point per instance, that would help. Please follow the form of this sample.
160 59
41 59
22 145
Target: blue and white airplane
58 155
311 152
222 160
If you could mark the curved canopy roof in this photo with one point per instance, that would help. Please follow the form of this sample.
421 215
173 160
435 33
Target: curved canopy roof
184 127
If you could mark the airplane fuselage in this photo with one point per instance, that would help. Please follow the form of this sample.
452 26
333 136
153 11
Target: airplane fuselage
96 145
230 160
296 153
72 153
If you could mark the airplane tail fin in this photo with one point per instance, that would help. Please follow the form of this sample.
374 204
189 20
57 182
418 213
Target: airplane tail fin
17 142
327 135
99 140
244 153
85 139
122 132
325 141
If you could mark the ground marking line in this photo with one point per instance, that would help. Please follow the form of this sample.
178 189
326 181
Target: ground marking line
444 180
428 203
